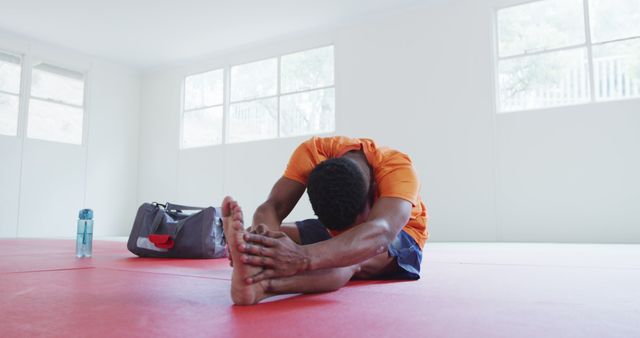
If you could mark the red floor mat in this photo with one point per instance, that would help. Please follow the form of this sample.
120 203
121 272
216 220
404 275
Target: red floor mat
47 292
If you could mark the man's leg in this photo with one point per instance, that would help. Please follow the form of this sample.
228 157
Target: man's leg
312 231
385 265
401 261
310 282
305 232
291 230
379 266
247 294
331 279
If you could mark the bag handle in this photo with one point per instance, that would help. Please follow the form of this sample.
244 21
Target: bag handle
179 207
156 221
164 241
176 207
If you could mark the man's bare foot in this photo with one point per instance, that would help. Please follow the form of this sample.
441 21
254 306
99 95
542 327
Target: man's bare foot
233 225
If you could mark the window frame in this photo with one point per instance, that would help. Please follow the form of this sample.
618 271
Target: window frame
21 90
587 46
183 105
227 110
227 102
28 96
28 60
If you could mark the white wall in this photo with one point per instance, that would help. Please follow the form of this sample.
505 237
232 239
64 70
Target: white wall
571 172
112 173
422 81
44 184
204 176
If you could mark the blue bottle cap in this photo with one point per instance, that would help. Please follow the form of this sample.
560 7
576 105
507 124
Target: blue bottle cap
86 214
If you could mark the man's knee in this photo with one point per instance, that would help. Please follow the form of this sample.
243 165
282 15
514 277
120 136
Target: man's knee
291 230
376 267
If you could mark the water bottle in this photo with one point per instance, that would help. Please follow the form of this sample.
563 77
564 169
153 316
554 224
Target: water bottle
84 240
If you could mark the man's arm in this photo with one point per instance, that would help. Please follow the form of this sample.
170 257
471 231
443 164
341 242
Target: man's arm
282 257
388 216
283 197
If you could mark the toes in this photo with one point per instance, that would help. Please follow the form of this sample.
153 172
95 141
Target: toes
237 225
232 206
237 214
226 206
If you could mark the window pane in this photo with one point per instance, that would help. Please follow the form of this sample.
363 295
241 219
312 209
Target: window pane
203 90
550 79
202 127
616 69
53 83
54 122
9 73
614 19
253 80
540 25
8 114
307 70
255 120
307 113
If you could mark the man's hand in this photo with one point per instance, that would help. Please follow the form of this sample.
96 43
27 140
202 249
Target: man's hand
276 253
259 229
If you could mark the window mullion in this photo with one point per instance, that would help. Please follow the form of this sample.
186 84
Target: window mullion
226 101
546 51
202 108
307 90
57 102
255 99
25 94
10 93
615 40
587 28
279 75
183 111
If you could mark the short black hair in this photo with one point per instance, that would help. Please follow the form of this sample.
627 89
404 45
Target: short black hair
338 192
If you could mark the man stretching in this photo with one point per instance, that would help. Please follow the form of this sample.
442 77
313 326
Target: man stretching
371 222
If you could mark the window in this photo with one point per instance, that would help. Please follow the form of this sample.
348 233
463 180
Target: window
615 26
307 104
561 52
10 68
286 96
203 107
253 112
56 106
283 96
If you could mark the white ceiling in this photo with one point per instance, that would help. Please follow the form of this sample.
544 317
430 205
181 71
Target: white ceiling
148 33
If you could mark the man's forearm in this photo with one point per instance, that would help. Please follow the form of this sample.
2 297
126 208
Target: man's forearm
283 257
365 240
351 247
266 214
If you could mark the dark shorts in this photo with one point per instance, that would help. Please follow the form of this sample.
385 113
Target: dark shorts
407 252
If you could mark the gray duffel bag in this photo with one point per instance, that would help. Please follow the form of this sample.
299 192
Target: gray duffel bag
166 230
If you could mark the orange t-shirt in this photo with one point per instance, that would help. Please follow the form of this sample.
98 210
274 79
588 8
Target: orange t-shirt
393 170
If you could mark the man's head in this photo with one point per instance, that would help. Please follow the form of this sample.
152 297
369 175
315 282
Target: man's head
338 190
